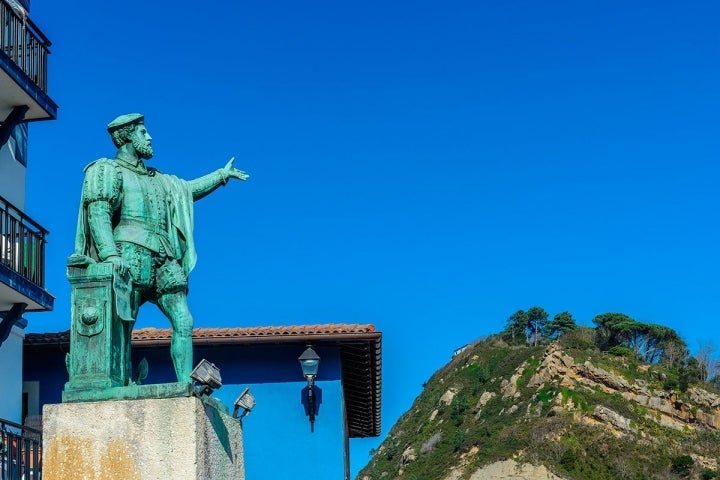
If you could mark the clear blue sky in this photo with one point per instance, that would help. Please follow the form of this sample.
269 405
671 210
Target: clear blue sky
429 167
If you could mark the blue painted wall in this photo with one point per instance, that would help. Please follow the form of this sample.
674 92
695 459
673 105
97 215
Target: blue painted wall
277 437
49 370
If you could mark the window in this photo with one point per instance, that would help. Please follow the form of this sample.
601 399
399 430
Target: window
18 143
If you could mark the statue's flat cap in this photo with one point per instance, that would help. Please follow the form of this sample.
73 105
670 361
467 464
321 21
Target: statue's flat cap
123 120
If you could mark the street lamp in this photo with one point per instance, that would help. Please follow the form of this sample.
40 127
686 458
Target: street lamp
310 362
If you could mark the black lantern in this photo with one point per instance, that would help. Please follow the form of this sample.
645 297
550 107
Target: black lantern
310 362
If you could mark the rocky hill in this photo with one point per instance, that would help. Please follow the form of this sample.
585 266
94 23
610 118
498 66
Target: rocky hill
561 410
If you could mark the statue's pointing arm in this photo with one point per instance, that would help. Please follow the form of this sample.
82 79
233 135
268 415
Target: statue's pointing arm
101 192
209 183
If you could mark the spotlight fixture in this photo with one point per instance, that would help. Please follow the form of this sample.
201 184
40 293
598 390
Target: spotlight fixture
246 401
207 375
310 362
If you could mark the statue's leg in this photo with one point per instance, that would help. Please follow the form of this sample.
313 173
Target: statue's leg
139 260
175 307
135 300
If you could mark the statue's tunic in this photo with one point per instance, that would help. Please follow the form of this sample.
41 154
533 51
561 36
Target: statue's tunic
143 216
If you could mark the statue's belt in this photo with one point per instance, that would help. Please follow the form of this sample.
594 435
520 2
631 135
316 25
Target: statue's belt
140 231
132 222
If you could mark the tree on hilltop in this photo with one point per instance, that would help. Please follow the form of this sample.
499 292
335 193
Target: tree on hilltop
561 323
537 319
526 327
514 332
647 341
708 365
611 329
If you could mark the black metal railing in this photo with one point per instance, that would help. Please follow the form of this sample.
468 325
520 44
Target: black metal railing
23 42
22 243
20 452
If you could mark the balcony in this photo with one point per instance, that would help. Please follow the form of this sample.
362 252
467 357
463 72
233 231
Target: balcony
23 65
20 452
22 261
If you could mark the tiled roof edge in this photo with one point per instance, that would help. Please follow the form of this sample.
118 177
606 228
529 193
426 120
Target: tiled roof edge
203 334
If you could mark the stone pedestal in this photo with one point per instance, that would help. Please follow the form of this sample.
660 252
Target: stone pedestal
174 438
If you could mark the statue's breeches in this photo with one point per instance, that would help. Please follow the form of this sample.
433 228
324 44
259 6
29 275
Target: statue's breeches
152 273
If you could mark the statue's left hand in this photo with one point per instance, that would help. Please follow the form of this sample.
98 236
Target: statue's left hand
231 171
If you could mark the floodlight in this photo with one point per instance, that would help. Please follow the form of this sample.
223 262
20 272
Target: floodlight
208 376
246 401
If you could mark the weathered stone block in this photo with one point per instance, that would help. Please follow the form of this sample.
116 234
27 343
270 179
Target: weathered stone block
178 438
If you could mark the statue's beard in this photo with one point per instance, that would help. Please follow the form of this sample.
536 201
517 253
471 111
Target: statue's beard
142 147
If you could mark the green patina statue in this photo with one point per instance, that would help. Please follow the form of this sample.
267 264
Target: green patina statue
134 244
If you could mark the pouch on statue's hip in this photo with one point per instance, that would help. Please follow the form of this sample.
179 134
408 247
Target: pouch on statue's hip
121 287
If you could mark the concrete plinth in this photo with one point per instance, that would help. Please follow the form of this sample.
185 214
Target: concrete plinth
174 438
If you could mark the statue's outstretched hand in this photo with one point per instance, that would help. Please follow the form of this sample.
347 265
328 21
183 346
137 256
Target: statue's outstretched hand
231 171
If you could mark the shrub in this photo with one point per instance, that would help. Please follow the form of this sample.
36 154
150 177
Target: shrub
477 376
670 384
621 351
708 474
569 459
577 398
580 339
459 439
684 384
682 465
460 405
546 395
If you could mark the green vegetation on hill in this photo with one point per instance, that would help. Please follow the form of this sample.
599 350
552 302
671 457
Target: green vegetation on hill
623 400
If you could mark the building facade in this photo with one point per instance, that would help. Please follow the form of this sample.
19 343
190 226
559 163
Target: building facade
280 441
23 98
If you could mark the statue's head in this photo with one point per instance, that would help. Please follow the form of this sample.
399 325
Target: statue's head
130 128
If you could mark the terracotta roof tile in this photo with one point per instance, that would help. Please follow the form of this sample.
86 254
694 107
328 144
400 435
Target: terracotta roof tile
159 334
50 338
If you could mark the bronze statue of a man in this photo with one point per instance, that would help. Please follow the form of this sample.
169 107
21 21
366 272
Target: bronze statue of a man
141 221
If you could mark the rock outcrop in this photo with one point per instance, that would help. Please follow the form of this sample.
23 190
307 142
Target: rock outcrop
511 470
663 407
